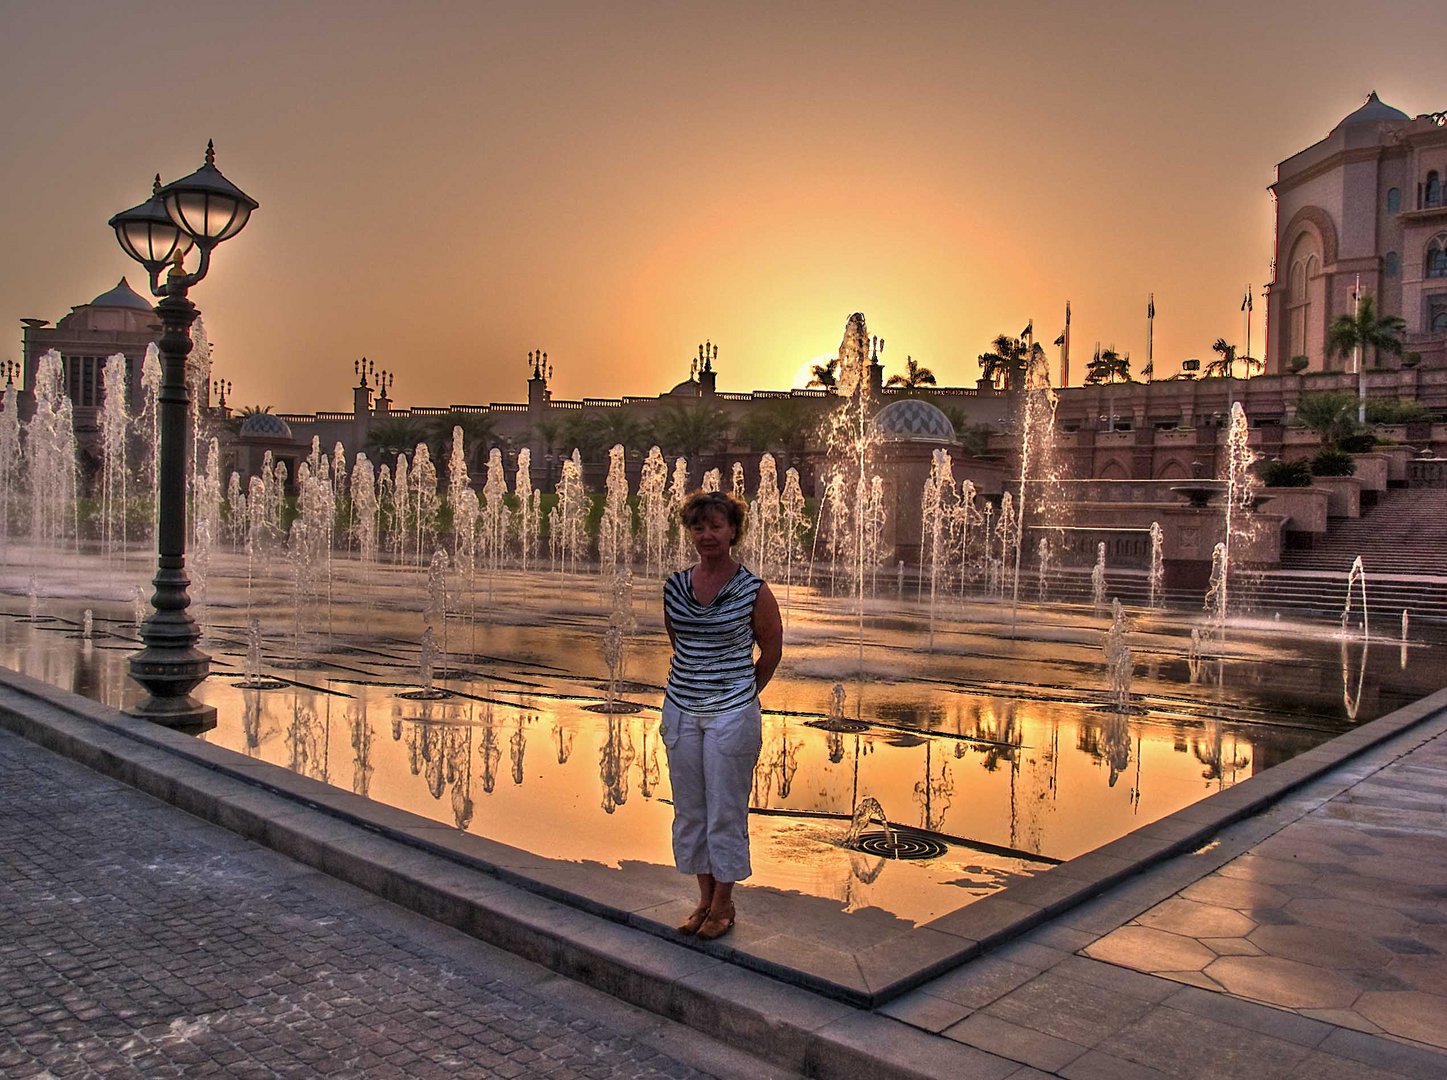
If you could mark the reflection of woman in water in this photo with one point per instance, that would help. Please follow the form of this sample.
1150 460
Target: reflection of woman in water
715 612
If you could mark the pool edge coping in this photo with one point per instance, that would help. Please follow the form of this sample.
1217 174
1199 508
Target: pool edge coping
337 833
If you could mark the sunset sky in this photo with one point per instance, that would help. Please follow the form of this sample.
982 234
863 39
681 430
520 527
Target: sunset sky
445 186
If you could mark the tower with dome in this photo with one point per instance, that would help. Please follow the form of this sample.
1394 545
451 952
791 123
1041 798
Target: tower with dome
1363 208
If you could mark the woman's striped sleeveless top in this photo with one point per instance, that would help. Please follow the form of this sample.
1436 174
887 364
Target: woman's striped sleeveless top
713 653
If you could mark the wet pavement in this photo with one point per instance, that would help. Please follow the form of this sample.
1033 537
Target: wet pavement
1302 940
1341 916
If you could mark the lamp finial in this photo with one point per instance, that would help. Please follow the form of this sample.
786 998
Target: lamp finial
211 153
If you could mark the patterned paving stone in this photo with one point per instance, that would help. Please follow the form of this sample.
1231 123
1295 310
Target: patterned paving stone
1310 943
1145 949
1288 983
141 944
1197 920
1349 906
1410 1014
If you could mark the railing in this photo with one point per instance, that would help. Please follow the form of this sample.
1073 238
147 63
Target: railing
1427 472
602 403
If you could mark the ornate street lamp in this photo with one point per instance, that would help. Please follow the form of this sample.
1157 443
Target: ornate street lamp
200 211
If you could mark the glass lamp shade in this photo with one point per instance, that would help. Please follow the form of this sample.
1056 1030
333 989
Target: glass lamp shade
147 234
207 205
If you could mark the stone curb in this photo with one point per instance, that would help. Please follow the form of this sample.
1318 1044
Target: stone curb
786 1025
415 863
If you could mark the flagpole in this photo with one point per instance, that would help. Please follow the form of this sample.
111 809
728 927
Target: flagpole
1150 337
1246 307
1357 353
1065 350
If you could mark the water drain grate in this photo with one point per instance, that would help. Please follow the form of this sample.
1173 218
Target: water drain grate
260 684
838 725
425 695
618 708
907 845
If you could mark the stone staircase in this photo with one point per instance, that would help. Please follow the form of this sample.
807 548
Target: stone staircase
1402 542
1404 533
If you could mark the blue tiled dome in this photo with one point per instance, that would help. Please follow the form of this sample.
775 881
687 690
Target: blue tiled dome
265 426
913 420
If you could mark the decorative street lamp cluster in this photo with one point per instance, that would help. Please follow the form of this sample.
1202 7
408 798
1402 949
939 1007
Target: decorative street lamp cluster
197 212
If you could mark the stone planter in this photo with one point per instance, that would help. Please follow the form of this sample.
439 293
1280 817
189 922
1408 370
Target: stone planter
1305 510
1344 495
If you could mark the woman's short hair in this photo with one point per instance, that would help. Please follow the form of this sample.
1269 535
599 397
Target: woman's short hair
707 502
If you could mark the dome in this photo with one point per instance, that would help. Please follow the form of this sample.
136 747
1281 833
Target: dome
1375 111
122 296
265 426
913 420
687 388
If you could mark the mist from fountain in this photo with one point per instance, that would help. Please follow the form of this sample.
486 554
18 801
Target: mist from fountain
115 423
50 454
1098 579
1118 663
615 527
10 465
1241 488
1357 577
1158 566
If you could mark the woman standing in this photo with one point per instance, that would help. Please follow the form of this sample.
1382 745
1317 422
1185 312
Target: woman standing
715 613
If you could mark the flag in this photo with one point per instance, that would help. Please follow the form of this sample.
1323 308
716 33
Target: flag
1060 340
1149 369
1029 329
1246 300
1151 307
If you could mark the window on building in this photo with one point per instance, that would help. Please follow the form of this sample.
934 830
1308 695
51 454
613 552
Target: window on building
84 379
1437 257
1394 200
1432 190
1437 314
1390 264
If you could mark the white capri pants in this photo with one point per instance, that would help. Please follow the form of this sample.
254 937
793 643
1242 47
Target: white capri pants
711 759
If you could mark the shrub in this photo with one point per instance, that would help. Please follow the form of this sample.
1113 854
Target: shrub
1358 442
1280 473
1298 364
1395 411
1332 461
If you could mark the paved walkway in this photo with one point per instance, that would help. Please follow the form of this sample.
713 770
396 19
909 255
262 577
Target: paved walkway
140 942
1306 942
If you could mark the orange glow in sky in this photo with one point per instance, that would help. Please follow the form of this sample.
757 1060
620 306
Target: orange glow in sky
444 187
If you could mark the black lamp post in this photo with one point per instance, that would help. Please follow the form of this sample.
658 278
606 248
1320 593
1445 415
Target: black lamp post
200 211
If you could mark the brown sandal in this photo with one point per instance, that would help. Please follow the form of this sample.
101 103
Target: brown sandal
716 926
691 924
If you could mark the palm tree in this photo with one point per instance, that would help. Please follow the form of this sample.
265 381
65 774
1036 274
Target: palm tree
825 376
1224 366
479 434
913 378
624 427
550 434
784 424
691 430
1329 414
395 435
1005 367
1108 367
1365 330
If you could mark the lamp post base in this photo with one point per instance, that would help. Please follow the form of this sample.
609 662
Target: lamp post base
169 674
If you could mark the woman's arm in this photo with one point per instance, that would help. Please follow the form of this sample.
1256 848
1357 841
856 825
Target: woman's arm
769 634
668 625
